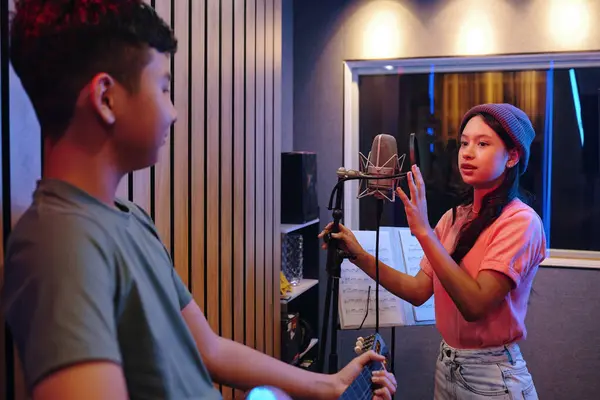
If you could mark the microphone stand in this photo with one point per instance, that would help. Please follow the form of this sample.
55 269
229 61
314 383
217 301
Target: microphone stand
379 213
335 257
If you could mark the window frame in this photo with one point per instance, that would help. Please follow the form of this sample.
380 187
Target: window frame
353 69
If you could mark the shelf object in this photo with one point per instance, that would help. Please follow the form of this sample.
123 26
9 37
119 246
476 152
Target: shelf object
299 360
302 287
287 228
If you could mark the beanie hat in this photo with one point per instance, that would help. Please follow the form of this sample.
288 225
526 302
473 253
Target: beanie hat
514 121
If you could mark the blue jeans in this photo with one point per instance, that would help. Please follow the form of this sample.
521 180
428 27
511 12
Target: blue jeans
492 373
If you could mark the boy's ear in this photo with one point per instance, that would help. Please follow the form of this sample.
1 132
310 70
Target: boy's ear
102 97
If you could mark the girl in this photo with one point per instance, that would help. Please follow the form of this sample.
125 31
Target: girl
480 260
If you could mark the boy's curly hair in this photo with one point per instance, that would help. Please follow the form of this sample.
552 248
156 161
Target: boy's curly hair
58 46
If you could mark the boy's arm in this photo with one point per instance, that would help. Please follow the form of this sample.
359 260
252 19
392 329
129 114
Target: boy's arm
89 380
242 367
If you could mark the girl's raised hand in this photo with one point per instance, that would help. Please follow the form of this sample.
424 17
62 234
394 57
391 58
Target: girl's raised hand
416 206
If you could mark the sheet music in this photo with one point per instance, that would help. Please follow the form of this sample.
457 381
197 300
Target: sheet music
356 287
413 254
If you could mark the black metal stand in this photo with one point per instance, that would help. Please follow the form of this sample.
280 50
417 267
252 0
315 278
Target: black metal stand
393 342
335 257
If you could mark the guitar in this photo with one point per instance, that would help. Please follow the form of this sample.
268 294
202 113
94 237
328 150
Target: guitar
362 387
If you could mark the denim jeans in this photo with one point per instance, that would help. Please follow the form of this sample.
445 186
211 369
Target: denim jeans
492 373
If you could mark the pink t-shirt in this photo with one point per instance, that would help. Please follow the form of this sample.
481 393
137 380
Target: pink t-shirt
515 245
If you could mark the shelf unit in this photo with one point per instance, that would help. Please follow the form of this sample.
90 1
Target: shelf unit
304 298
304 285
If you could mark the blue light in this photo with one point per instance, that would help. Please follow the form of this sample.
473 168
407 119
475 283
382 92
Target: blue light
576 102
260 393
431 90
547 161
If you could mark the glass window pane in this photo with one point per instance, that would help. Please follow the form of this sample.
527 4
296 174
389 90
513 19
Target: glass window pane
575 200
564 165
432 106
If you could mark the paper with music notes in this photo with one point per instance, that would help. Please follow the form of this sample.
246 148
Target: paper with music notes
357 289
413 254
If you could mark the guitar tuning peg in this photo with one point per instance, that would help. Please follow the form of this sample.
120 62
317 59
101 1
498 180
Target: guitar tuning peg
358 350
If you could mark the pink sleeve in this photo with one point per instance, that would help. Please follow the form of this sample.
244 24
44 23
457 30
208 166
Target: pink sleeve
517 243
440 230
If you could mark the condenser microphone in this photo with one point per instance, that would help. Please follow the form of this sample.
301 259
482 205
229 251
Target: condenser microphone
382 162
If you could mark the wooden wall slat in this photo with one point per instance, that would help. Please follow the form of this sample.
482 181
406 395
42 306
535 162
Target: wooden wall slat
181 168
226 187
141 179
214 192
251 178
123 188
213 106
142 194
277 133
238 174
162 169
269 206
260 175
197 120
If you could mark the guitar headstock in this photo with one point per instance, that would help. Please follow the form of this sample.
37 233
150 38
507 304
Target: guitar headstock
372 342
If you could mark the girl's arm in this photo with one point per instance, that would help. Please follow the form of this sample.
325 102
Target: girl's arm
474 298
414 289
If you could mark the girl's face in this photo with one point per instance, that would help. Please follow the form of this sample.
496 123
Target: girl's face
483 157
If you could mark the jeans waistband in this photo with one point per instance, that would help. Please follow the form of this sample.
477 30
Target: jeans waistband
508 353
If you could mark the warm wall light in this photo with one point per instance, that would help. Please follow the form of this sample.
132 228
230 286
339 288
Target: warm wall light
568 21
381 37
475 35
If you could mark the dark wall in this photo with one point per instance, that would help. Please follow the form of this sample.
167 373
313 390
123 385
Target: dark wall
562 347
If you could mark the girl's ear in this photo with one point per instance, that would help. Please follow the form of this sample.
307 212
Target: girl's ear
513 158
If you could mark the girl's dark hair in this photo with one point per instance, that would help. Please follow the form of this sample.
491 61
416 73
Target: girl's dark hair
493 203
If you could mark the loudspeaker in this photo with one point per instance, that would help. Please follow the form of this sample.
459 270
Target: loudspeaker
299 202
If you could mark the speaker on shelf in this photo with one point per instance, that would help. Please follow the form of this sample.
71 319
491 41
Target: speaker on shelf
299 201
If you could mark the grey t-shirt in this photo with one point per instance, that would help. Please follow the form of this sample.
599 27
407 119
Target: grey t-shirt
84 281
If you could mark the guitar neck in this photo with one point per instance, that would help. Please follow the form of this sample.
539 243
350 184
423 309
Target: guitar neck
362 387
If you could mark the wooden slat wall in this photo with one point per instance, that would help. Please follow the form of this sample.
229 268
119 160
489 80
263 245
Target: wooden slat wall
214 194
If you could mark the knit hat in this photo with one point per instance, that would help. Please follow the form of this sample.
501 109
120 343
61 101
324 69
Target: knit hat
514 121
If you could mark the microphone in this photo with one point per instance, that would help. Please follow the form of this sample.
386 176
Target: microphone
380 172
382 162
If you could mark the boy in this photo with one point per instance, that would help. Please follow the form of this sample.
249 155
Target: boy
90 295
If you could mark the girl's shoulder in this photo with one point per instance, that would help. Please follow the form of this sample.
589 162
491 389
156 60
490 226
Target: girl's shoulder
520 210
520 219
